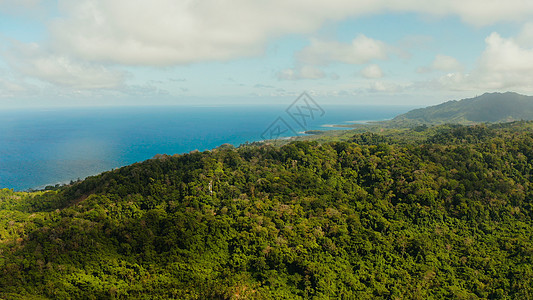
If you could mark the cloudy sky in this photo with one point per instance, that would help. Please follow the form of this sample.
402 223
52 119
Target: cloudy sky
217 52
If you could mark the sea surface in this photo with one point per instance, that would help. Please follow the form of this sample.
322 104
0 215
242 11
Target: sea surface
42 147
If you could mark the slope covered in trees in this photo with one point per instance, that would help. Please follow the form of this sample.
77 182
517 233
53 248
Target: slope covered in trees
489 107
372 217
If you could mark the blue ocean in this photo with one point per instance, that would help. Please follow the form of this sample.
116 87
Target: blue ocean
42 147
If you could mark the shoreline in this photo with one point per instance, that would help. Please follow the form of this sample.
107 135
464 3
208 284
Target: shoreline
333 127
312 131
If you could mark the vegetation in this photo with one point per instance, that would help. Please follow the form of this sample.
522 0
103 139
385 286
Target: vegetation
314 132
489 107
425 213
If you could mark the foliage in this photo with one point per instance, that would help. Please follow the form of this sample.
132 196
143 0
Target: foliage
489 107
371 217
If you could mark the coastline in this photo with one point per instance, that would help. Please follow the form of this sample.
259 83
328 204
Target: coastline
300 134
114 137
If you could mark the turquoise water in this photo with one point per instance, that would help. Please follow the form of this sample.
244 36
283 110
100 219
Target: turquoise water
41 147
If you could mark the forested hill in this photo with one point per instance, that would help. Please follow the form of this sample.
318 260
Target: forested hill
449 217
489 107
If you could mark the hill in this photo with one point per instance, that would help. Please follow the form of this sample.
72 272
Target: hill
449 216
489 107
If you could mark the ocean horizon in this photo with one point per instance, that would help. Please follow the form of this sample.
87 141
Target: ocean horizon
41 147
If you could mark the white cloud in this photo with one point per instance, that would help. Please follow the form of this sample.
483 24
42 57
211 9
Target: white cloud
89 36
442 63
361 50
163 32
384 87
166 32
525 38
305 72
446 63
323 53
482 12
372 71
34 61
455 82
11 89
503 65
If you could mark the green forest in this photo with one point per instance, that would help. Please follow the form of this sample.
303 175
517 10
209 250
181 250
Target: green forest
430 212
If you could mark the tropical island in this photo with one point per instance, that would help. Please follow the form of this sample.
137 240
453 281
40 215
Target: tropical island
435 203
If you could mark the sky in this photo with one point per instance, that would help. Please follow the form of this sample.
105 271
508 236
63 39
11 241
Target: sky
257 52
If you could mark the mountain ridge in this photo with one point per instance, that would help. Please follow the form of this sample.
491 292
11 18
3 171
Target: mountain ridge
487 108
